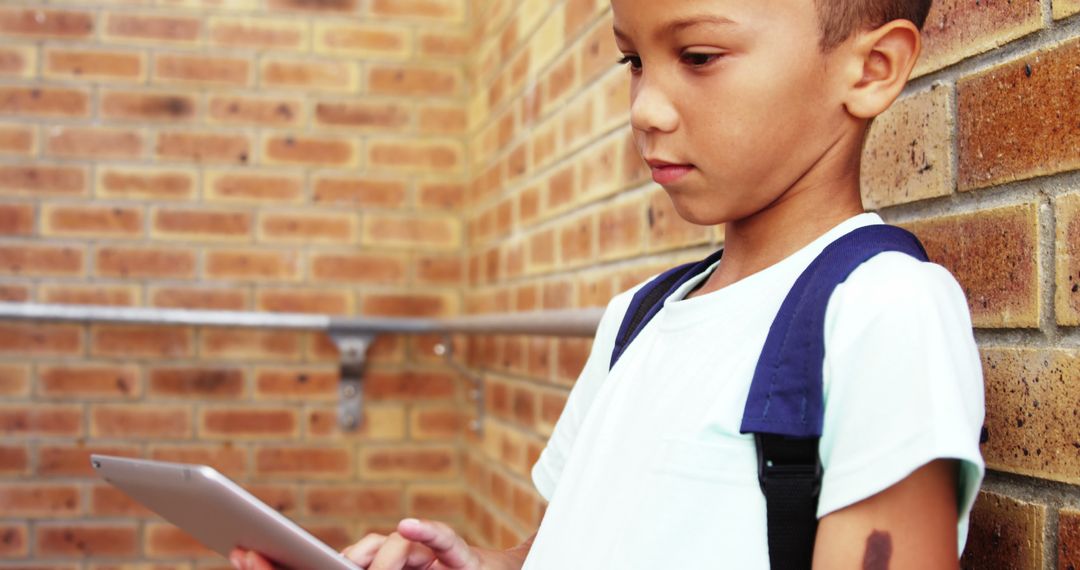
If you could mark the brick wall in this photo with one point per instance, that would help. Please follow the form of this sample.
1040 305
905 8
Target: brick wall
979 158
424 157
277 155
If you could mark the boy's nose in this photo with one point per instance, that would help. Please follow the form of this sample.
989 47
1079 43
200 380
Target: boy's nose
652 110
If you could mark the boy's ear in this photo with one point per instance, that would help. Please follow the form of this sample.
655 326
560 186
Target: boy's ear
878 64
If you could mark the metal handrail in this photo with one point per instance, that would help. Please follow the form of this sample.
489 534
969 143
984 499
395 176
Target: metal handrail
573 322
352 335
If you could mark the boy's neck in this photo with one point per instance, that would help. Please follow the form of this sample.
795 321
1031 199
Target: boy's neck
809 209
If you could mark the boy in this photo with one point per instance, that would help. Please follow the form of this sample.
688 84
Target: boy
753 114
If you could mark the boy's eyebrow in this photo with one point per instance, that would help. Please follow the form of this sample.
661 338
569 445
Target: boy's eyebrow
681 24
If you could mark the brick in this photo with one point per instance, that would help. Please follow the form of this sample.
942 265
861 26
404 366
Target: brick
275 112
371 115
576 240
143 183
1011 119
1006 242
74 460
1030 407
441 10
138 421
439 502
44 102
18 61
141 106
598 52
1065 8
413 81
908 153
41 420
443 120
436 423
14 460
79 540
315 151
94 64
40 339
377 423
252 264
106 500
1068 539
199 298
17 141
412 305
14 541
444 44
541 250
14 293
307 228
570 358
148 28
433 232
441 195
197 383
250 344
39 500
260 33
41 180
354 191
89 381
1067 291
162 540
201 225
1005 533
242 186
309 301
60 24
408 463
358 268
309 75
621 229
203 147
408 385
439 270
133 341
226 459
305 462
305 384
91 221
90 294
346 501
955 30
14 380
143 262
360 40
17 219
41 261
328 6
247 423
93 142
201 70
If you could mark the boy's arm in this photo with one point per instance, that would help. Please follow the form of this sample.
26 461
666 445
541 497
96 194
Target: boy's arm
912 524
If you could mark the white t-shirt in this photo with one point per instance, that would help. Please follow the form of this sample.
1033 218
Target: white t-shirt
647 469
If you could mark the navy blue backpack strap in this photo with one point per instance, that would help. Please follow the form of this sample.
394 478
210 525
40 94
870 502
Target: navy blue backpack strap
649 299
785 407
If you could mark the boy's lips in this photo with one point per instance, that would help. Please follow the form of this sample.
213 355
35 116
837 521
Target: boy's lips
665 173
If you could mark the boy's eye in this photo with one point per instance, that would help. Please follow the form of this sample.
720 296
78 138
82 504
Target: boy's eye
633 61
699 59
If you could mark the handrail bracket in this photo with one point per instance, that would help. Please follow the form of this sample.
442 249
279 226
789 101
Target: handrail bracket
353 348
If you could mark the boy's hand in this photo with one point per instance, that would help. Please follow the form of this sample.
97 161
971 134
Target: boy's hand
417 545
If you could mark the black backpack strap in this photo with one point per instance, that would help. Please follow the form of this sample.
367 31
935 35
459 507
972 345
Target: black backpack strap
785 407
648 300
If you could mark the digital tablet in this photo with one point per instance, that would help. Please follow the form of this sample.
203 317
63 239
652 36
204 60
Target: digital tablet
217 512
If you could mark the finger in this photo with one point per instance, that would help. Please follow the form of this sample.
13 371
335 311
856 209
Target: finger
448 547
363 552
236 558
255 562
392 555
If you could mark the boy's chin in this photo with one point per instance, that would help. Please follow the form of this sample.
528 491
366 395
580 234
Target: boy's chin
697 207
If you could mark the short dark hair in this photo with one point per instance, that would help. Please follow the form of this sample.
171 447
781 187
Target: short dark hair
842 18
